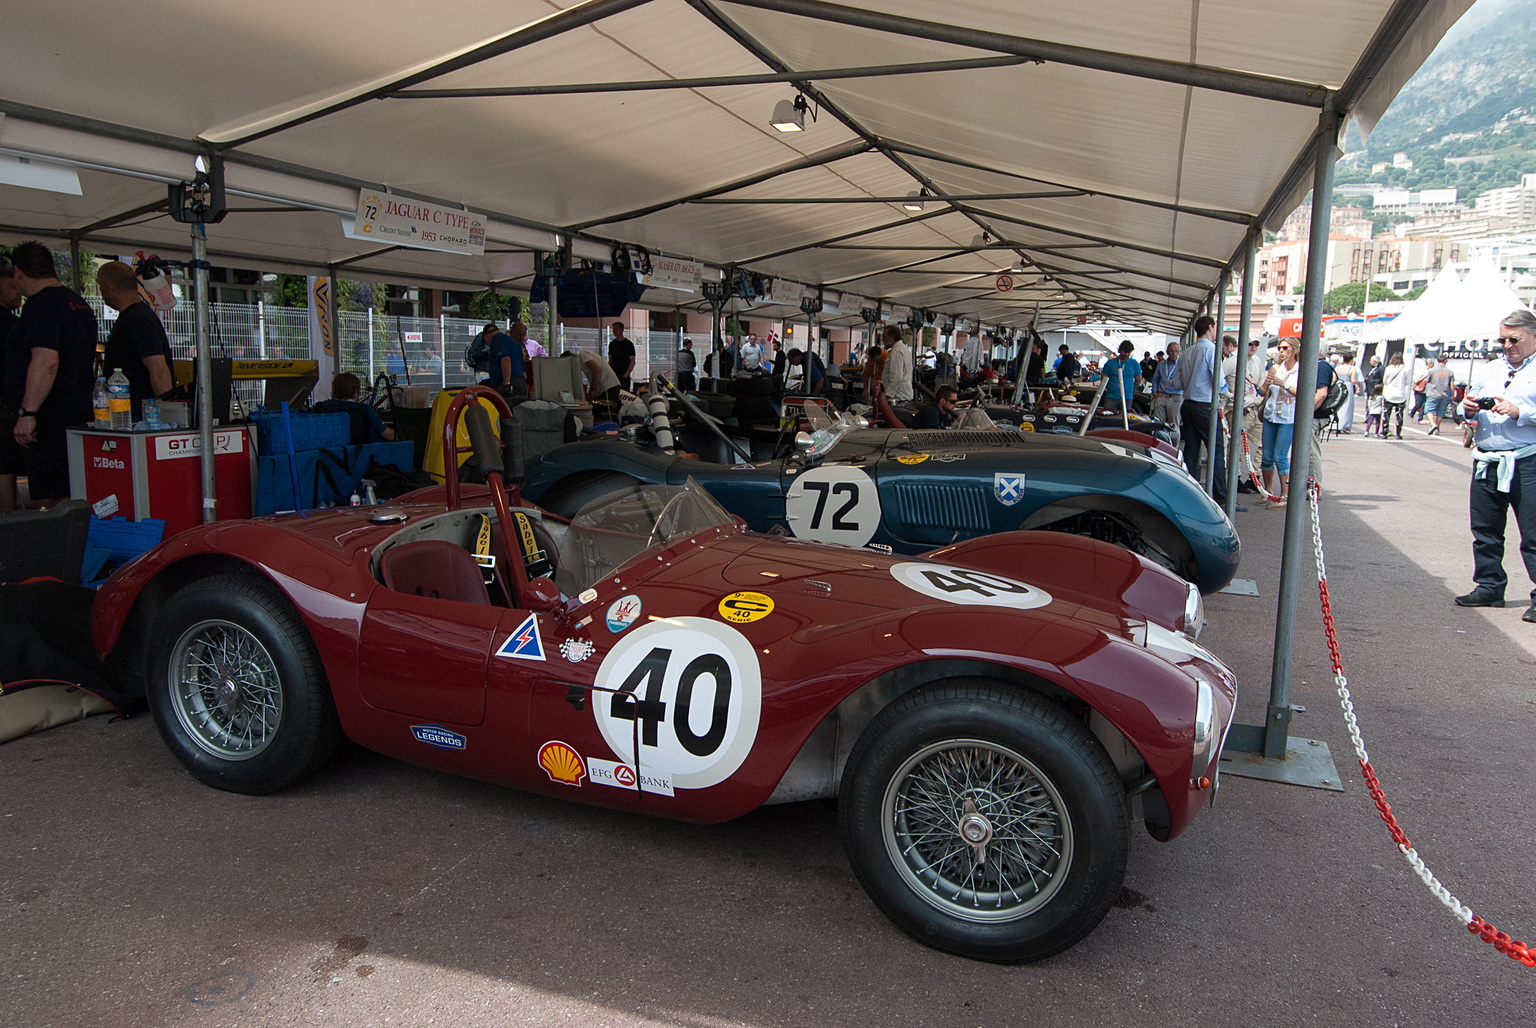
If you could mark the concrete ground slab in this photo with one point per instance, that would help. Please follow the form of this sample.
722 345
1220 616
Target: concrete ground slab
382 894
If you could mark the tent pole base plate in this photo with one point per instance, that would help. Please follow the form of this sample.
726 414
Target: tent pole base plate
1307 762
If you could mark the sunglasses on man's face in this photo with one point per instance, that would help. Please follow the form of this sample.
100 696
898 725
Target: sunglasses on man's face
1511 339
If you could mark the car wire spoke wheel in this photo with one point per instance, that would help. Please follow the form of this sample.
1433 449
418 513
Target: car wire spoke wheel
977 830
227 693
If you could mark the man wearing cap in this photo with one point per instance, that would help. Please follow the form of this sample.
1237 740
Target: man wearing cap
1503 403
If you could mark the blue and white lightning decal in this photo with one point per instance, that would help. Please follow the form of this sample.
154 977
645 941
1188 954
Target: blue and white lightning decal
524 643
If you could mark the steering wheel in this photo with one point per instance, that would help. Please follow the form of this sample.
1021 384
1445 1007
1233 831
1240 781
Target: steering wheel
655 537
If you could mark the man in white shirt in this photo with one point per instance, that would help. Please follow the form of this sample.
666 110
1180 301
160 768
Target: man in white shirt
751 354
1503 402
898 366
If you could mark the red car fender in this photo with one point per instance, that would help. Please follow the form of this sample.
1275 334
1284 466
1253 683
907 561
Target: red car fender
1074 567
1138 438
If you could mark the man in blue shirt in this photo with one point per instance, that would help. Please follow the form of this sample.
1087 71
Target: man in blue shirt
1194 374
1123 374
1167 394
345 390
508 364
1504 462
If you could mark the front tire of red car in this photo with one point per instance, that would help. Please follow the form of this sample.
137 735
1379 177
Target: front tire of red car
985 821
237 688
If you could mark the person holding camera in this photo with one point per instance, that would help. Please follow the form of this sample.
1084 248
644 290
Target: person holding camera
1504 463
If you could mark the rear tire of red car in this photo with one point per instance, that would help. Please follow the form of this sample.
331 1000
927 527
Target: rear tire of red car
237 688
969 768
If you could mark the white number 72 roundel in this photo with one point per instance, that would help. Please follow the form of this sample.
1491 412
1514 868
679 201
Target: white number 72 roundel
690 691
967 585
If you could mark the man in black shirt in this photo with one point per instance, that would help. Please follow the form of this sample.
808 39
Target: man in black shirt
13 375
138 343
621 355
58 329
940 413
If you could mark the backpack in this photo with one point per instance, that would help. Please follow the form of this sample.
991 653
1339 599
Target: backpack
1338 392
477 354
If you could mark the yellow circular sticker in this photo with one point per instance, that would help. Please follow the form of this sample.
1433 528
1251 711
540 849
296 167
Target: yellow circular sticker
916 458
1026 427
743 608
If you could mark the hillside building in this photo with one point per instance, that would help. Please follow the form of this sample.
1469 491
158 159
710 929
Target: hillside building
1515 203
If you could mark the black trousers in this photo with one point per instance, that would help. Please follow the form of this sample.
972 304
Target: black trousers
1386 418
1490 510
1195 428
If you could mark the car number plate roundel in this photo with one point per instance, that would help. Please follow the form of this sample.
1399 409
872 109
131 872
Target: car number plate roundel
690 690
833 504
967 585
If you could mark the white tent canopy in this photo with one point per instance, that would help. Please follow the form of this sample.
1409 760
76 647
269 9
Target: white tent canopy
1459 311
1119 153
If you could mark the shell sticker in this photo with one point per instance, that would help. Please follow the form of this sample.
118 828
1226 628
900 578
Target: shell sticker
743 608
623 612
576 650
967 586
689 691
912 458
562 763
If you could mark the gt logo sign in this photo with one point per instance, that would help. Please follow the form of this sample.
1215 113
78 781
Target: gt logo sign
689 691
968 586
833 505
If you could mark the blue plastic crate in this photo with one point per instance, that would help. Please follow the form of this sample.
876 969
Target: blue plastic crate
122 539
310 431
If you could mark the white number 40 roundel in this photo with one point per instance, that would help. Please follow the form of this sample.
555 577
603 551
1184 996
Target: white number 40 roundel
967 585
690 690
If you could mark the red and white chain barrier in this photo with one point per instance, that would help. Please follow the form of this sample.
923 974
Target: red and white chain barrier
1501 941
1253 472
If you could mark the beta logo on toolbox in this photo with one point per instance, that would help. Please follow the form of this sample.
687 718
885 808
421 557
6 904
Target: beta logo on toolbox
968 586
691 690
622 776
437 735
623 612
561 763
745 607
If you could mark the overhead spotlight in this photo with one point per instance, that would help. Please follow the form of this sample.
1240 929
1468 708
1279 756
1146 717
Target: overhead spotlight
982 239
915 200
789 115
1018 266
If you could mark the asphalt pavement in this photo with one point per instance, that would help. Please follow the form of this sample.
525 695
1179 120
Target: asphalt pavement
382 894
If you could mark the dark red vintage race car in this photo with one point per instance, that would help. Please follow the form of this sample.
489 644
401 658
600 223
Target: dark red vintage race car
991 715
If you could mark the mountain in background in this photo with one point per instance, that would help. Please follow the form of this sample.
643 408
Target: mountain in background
1468 118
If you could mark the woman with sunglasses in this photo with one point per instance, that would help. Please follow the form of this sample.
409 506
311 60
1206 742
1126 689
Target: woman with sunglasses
1279 388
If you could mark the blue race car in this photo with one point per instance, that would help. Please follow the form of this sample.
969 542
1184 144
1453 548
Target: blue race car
908 491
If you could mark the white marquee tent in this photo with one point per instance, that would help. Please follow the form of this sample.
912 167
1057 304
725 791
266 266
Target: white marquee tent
1118 153
1458 315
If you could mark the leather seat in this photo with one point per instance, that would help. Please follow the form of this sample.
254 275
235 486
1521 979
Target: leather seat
434 568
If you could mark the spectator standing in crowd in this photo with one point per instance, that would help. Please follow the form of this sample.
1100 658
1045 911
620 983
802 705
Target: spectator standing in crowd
1195 370
1229 363
1034 367
1437 393
1374 407
1504 463
57 329
940 413
1347 371
1325 377
1278 387
1065 367
1394 395
1149 364
687 367
1253 405
509 364
621 355
13 375
1375 374
898 366
1122 373
1419 395
137 342
1167 394
533 348
346 391
750 359
874 370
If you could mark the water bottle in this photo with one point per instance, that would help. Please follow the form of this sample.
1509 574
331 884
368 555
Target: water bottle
151 412
118 400
103 416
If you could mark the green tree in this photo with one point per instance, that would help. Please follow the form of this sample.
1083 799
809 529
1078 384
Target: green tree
1350 298
1414 293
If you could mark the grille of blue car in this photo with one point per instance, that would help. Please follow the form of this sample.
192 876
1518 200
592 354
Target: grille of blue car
963 439
948 506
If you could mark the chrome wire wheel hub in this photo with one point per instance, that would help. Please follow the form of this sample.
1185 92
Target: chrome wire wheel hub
225 689
977 831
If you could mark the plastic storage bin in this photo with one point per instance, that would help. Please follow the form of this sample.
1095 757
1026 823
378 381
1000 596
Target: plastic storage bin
310 431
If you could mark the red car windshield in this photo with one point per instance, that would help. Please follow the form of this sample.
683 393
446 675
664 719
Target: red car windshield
615 529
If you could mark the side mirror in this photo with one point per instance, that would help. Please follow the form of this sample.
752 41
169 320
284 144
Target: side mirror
804 441
541 596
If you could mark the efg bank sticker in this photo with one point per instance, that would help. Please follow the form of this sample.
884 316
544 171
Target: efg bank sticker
968 586
689 690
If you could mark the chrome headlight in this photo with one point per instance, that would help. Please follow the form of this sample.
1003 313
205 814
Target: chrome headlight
1194 611
1206 736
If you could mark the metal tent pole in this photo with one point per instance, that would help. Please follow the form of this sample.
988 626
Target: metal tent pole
1240 392
204 369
